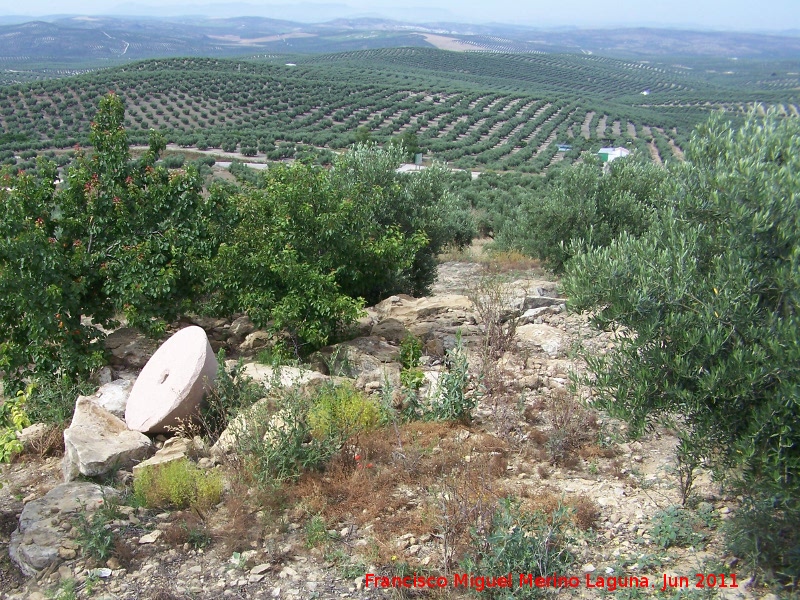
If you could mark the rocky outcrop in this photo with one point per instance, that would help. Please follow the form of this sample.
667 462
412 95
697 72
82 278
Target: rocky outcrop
392 330
354 357
97 442
41 538
172 384
130 349
284 376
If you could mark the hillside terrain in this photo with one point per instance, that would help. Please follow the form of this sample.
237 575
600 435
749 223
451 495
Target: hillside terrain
319 538
477 110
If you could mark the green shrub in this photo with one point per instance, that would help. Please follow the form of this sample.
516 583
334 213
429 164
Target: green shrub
518 541
174 161
585 207
765 533
275 442
710 298
411 376
95 536
312 245
13 418
340 412
452 403
177 484
122 237
52 399
676 526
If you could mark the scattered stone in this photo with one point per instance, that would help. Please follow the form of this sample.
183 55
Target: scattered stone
151 537
548 338
97 442
260 569
171 386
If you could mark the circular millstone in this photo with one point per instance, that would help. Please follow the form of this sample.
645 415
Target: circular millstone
172 383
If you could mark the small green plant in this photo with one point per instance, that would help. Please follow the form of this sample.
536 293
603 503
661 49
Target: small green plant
765 533
339 412
676 526
96 539
276 443
276 355
410 352
52 399
179 484
519 541
411 376
65 591
316 531
453 403
13 418
232 393
197 536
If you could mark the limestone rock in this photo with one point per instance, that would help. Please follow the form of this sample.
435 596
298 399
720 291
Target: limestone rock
256 341
129 348
286 377
44 523
532 302
173 449
97 442
386 373
352 358
171 385
548 338
113 396
391 330
242 327
408 310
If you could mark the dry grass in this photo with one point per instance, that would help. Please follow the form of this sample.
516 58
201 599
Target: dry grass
49 444
413 478
573 427
495 262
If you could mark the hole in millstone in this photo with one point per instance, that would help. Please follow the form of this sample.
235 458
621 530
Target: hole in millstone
164 377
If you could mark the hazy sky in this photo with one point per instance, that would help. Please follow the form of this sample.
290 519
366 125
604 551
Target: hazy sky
713 14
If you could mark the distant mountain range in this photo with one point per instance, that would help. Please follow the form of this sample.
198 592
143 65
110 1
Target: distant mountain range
61 40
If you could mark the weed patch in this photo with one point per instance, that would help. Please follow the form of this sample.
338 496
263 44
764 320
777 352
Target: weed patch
178 484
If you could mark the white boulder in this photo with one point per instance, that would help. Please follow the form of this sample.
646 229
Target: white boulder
97 442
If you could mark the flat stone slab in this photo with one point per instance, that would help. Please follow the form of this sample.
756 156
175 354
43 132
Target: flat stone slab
97 442
171 386
409 310
44 523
